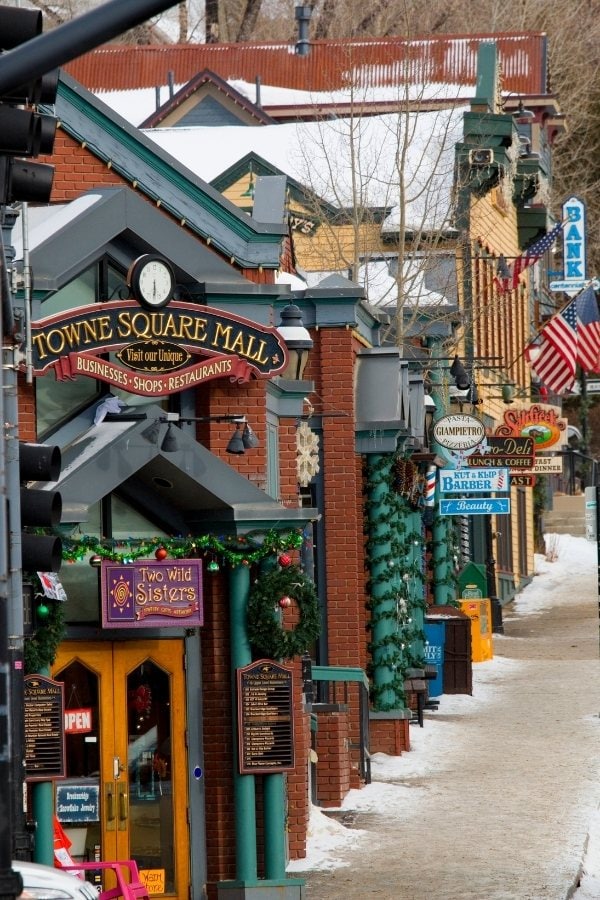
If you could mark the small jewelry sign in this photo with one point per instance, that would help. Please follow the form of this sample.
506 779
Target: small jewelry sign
152 593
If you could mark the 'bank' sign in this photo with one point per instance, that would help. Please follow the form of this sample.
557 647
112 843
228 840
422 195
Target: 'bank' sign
574 249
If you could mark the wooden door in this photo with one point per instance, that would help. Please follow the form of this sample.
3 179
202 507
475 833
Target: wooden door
126 757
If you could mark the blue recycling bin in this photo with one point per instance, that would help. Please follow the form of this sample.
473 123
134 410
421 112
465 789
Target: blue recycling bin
435 637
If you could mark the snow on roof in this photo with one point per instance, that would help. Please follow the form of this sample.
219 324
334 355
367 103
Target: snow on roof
381 285
44 221
282 96
344 161
136 105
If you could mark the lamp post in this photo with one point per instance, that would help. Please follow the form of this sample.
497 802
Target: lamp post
297 340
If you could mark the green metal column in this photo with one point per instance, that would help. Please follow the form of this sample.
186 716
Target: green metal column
384 626
42 795
243 785
442 593
417 587
275 831
42 801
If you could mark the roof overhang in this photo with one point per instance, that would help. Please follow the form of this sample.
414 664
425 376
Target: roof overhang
188 491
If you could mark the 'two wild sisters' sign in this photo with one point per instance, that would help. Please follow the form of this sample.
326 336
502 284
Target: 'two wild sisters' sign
155 352
152 593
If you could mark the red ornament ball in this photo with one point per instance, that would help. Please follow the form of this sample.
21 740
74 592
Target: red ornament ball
285 560
161 553
285 602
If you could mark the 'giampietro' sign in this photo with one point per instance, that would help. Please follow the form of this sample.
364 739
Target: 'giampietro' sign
459 432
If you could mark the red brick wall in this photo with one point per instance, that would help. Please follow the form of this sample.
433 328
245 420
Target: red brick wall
333 766
389 736
217 730
342 473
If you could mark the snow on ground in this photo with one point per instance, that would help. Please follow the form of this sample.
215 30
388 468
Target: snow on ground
430 747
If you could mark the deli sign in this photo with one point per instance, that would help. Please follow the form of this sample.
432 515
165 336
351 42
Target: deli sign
157 352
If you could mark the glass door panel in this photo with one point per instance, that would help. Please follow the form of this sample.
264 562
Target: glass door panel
125 796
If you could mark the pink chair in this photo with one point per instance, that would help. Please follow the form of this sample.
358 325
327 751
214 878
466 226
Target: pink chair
129 886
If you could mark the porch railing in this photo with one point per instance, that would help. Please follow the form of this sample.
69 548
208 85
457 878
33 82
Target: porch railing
333 683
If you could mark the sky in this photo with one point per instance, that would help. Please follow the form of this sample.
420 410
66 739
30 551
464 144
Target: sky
327 836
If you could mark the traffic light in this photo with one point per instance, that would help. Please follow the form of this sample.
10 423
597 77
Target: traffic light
24 132
39 508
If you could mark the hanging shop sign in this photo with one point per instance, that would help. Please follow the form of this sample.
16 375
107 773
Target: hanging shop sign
476 506
458 432
522 480
155 352
44 712
539 421
473 481
574 244
265 718
152 593
514 453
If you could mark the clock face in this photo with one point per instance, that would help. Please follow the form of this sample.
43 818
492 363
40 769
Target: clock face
152 281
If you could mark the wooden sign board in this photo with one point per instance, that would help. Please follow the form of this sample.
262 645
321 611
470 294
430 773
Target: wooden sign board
44 728
511 452
265 718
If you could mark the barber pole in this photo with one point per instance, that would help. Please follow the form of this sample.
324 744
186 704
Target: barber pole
430 486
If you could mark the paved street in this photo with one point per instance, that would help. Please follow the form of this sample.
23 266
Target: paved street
504 808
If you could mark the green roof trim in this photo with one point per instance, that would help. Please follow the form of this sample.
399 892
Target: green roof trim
164 180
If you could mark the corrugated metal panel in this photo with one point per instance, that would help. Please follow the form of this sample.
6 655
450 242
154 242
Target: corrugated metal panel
329 66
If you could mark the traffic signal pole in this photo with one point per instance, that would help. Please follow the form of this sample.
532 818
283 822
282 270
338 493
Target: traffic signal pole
47 51
10 881
23 60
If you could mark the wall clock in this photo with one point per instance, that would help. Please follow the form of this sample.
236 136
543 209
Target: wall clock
151 280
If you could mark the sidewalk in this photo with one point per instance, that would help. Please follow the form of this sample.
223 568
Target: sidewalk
498 793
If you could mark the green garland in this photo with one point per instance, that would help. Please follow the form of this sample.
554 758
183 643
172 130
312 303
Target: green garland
40 649
264 629
233 549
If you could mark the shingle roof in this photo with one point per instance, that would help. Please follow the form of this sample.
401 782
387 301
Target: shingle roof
330 65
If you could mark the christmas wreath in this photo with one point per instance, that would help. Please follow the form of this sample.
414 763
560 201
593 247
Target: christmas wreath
40 648
271 592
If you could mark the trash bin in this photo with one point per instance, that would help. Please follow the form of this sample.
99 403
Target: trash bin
458 665
435 636
480 614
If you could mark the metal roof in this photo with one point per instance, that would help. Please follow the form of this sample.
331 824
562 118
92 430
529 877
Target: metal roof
330 65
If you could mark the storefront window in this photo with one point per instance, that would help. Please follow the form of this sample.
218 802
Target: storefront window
81 580
59 401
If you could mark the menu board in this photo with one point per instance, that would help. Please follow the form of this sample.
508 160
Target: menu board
44 709
265 718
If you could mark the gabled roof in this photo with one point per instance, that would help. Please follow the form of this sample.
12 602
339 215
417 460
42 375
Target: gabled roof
184 107
117 222
330 65
162 179
253 163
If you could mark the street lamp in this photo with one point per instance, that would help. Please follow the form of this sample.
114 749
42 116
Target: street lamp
297 340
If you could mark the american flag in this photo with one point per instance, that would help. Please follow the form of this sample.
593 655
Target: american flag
570 338
507 278
588 331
